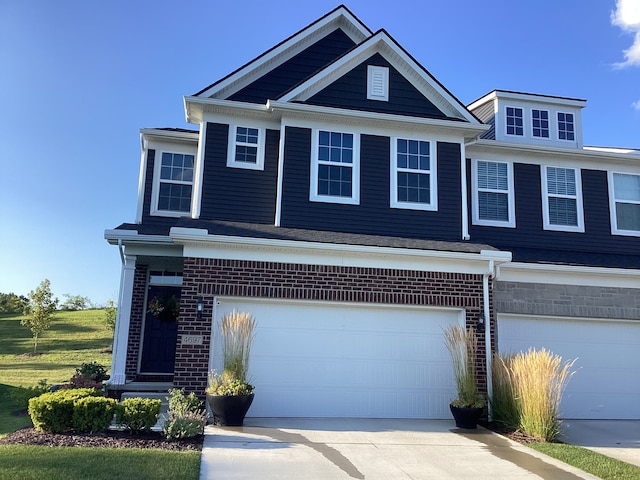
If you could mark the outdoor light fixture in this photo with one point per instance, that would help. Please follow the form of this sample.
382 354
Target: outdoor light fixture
480 323
199 307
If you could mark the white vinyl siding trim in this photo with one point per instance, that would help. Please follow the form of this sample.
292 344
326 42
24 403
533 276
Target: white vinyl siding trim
562 189
246 142
492 181
414 169
377 83
624 203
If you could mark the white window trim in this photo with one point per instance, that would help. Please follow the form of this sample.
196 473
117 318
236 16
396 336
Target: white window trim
578 197
355 166
433 175
377 83
529 111
155 191
511 223
612 206
231 148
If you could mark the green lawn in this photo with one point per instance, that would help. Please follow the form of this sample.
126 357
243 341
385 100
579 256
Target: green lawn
70 463
594 463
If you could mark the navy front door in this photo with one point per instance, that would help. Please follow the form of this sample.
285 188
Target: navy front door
160 330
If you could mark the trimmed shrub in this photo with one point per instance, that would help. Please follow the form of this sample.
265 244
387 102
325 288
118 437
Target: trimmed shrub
93 371
93 414
53 412
138 415
181 403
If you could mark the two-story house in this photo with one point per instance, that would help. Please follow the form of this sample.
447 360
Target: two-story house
337 191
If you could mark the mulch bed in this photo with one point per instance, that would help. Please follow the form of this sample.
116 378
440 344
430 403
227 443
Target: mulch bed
110 439
510 433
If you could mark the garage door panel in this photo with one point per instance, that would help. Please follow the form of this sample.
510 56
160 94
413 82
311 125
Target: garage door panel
606 383
347 360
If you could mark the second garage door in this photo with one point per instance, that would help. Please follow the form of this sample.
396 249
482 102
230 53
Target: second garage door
606 384
345 360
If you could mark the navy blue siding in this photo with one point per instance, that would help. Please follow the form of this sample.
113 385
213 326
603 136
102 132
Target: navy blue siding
350 91
238 194
273 84
373 215
529 242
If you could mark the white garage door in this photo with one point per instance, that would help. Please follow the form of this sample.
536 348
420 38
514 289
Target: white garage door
340 360
606 384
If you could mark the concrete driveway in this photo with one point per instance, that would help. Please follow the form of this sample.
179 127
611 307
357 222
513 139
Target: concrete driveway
306 449
614 438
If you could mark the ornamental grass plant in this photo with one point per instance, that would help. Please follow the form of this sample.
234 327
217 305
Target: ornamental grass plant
463 346
535 380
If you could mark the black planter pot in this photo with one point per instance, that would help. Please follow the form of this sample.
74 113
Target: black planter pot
229 410
466 417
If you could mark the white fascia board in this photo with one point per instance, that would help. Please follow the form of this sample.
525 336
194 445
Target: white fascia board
568 275
527 97
372 120
587 157
196 109
388 48
287 49
132 236
150 134
199 244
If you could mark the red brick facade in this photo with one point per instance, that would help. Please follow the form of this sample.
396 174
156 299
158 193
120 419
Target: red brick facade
208 278
135 326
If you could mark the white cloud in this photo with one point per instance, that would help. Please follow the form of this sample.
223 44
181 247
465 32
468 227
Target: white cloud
627 17
636 105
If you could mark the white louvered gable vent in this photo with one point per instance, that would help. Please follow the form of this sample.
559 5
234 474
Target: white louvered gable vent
377 83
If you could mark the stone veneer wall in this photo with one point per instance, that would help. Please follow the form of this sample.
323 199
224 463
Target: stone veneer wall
567 300
214 277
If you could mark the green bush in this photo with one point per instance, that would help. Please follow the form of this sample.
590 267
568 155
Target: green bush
93 414
138 414
22 395
187 416
53 412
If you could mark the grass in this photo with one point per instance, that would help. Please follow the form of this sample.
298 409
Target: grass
42 463
589 461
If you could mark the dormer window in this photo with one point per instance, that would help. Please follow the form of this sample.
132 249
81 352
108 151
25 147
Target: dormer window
566 130
540 123
515 121
377 83
246 147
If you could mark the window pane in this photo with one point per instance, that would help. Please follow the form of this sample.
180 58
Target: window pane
627 187
493 206
334 181
628 216
561 181
174 197
414 187
246 154
563 211
493 176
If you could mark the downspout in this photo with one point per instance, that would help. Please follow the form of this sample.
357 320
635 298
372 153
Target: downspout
463 192
280 174
487 331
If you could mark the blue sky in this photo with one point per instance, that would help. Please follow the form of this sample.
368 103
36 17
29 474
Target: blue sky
79 79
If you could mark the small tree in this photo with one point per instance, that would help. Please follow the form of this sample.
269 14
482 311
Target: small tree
110 314
75 302
41 308
12 303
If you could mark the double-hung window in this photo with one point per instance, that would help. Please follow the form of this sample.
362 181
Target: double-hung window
515 121
493 202
174 184
566 128
246 147
562 197
625 203
335 167
413 174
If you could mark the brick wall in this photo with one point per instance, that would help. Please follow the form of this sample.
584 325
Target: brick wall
135 326
213 277
567 300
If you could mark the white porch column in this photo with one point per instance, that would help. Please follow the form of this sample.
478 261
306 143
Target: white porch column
121 334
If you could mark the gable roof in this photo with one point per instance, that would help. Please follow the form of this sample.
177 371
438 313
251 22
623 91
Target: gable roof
341 17
381 42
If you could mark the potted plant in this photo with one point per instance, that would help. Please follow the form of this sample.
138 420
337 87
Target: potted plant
164 307
469 404
229 394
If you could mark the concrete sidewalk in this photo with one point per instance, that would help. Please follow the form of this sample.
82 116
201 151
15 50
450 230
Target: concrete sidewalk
371 449
614 438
